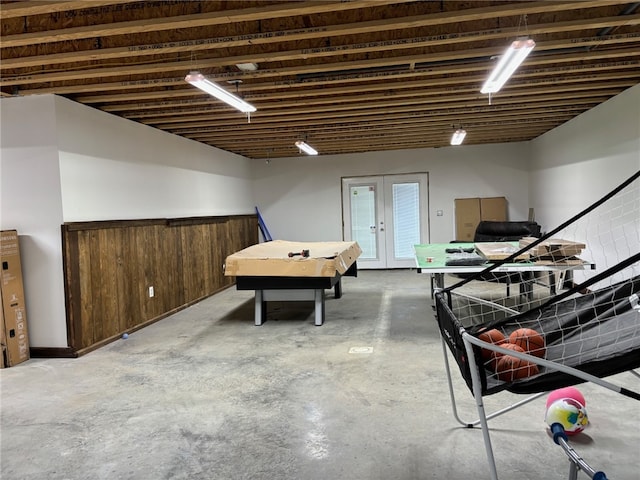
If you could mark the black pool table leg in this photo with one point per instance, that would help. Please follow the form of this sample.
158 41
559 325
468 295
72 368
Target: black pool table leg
337 289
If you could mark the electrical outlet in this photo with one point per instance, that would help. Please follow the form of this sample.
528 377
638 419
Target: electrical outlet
151 292
439 213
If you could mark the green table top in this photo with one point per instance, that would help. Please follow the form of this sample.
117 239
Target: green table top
431 258
433 255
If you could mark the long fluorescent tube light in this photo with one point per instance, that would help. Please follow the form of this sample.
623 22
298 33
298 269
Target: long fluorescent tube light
458 136
198 80
508 63
309 150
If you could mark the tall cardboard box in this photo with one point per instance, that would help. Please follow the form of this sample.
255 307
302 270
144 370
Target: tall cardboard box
15 338
467 212
3 343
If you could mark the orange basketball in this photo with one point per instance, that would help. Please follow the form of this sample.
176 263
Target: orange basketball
495 356
510 368
494 336
529 340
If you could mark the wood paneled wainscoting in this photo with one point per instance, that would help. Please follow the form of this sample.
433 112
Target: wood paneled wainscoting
123 275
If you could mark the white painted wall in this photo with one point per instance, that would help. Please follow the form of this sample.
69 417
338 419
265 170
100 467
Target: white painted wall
576 164
65 162
300 198
112 168
558 174
31 204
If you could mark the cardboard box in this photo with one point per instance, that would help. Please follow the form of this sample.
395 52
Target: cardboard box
554 248
15 338
499 250
3 342
326 259
467 218
493 209
470 211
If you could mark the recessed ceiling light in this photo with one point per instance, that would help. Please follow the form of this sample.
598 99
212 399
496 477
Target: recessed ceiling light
247 67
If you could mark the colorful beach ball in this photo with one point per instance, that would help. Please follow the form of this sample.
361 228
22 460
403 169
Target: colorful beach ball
569 413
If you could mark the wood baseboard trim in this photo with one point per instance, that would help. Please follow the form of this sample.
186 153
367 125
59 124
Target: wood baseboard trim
52 352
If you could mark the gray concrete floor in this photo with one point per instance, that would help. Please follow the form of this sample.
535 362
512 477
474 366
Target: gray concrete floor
205 394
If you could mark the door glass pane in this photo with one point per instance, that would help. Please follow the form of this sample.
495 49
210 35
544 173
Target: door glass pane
406 218
363 219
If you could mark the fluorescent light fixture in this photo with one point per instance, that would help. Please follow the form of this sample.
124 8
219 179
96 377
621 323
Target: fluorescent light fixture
458 136
508 63
306 148
198 80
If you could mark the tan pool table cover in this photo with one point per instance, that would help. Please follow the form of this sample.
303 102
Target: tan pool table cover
326 259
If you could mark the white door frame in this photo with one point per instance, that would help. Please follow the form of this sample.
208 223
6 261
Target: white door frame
374 183
383 229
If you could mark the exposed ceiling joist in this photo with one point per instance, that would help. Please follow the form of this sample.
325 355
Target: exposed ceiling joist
354 76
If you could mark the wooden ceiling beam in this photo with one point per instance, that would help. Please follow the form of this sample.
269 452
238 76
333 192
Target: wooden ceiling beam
244 40
165 83
389 145
442 134
417 89
448 56
424 125
382 135
190 21
359 116
434 139
283 109
397 116
23 9
383 76
374 101
203 101
247 92
388 107
394 118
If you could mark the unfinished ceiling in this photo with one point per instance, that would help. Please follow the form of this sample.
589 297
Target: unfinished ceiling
346 76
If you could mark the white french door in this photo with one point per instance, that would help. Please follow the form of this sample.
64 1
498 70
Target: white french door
387 215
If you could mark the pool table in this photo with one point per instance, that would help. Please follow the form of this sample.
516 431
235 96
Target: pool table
281 270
